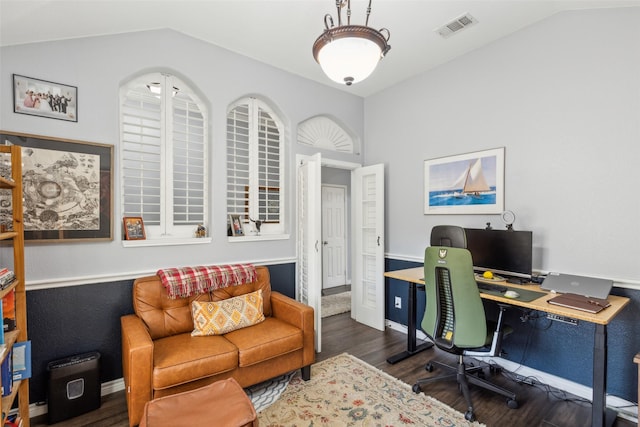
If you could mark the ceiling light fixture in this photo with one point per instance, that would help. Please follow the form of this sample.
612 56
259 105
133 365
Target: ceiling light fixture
349 53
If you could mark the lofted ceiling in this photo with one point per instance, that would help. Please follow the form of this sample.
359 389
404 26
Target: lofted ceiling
281 33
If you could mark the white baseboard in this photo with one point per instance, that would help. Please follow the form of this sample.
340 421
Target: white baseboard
629 411
36 410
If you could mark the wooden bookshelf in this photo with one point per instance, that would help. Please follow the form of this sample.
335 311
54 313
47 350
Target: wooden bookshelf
11 155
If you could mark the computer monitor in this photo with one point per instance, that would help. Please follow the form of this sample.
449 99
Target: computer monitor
504 252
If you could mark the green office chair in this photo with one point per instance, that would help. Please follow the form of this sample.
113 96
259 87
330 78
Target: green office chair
455 320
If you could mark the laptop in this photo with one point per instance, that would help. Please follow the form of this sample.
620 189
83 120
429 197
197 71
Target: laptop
581 285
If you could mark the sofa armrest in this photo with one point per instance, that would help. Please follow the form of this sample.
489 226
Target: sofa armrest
137 365
299 315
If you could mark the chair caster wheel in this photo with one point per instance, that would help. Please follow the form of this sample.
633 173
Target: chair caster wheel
469 416
512 404
428 367
416 388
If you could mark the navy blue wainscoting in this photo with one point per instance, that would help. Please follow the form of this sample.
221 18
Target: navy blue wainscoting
66 321
554 347
400 288
73 320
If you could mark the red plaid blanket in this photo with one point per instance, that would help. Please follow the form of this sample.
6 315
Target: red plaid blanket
187 281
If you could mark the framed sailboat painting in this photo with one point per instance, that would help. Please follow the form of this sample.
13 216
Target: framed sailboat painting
471 183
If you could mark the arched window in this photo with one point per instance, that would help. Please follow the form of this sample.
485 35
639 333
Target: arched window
164 152
255 166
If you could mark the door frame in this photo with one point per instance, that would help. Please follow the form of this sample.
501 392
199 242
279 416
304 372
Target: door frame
338 164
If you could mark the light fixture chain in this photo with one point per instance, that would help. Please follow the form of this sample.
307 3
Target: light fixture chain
366 22
339 6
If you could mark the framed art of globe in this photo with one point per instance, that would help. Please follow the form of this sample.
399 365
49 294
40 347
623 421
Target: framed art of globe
67 187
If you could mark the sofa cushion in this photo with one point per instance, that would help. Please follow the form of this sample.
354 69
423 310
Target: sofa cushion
263 283
179 359
264 341
220 317
162 315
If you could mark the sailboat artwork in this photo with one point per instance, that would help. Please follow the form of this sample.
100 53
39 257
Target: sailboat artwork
473 180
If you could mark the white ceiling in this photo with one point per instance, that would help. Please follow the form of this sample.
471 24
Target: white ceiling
281 33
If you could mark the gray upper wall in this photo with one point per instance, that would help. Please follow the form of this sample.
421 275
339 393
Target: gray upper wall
563 97
98 66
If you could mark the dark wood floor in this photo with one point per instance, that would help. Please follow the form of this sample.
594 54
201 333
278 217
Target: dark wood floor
538 405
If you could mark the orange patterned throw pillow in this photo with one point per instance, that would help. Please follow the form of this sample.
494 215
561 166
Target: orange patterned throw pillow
220 317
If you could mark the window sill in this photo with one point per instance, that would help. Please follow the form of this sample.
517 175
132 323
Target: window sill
166 242
256 238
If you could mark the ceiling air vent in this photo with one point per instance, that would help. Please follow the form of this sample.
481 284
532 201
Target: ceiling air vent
457 25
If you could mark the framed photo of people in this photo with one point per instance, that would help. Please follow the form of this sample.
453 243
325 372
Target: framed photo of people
67 188
133 228
236 225
44 98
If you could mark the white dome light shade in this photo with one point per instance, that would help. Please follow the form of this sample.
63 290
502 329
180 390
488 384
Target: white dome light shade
349 53
350 59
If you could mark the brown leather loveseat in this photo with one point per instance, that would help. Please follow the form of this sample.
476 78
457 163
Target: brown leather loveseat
160 357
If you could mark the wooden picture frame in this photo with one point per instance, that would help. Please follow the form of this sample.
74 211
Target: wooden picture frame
471 183
67 188
43 98
235 222
133 228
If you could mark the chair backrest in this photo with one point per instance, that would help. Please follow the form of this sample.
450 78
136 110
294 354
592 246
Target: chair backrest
454 316
448 235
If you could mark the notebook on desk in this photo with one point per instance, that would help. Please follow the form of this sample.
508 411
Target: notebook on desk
580 302
581 285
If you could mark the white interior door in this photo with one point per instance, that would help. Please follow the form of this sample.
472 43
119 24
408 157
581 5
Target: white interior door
334 236
309 265
367 287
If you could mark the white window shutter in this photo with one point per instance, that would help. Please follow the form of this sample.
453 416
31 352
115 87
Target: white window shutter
164 156
141 160
255 165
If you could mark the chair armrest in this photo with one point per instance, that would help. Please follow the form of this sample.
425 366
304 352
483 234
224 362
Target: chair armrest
299 315
137 365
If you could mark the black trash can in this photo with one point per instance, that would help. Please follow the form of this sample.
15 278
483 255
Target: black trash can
74 386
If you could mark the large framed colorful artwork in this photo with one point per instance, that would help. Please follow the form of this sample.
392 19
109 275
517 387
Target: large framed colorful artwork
67 187
471 183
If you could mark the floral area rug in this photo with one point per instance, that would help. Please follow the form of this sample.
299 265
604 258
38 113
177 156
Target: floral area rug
345 391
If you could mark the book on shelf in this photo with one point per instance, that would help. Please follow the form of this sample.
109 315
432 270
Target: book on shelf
9 311
1 330
6 278
13 420
6 371
21 360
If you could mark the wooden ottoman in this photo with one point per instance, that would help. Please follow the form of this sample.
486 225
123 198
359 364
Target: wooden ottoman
222 403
